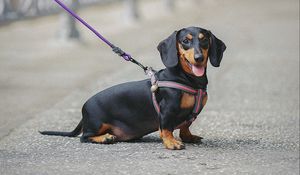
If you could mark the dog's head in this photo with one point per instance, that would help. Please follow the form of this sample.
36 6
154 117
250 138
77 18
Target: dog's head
191 47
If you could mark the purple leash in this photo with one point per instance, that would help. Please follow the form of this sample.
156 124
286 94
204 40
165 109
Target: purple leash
117 50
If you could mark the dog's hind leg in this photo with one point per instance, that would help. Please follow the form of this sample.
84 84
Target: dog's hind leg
103 139
94 130
103 135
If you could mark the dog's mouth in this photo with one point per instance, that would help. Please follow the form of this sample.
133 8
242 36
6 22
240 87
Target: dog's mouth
197 70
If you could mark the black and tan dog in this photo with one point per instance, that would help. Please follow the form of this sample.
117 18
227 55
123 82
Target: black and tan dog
131 110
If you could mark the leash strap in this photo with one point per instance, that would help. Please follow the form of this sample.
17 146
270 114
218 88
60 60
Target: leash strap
115 49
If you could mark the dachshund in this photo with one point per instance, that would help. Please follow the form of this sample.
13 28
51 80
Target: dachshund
170 100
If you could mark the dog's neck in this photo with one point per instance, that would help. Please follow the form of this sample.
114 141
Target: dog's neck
178 75
200 82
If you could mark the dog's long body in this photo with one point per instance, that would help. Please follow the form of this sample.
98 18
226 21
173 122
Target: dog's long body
125 112
121 107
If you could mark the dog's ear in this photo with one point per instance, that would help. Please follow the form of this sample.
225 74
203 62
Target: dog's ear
168 51
215 53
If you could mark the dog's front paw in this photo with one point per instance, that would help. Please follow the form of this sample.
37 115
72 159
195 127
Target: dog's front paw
173 144
191 139
169 141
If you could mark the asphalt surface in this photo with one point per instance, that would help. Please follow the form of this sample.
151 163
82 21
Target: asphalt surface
250 124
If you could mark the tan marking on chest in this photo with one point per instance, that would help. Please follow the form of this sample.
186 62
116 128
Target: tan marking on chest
187 101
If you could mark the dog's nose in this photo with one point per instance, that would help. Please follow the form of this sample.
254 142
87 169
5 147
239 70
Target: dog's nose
198 57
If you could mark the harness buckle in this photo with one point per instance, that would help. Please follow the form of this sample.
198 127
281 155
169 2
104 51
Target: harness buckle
154 87
151 73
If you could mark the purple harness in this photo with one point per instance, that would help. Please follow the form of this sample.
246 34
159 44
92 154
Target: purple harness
199 95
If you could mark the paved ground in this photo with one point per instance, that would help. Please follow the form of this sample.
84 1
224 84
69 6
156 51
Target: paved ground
250 124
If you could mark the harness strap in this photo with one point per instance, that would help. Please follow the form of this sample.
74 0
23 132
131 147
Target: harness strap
171 84
198 94
198 102
155 104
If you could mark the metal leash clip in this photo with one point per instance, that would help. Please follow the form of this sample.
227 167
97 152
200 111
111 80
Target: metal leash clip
151 73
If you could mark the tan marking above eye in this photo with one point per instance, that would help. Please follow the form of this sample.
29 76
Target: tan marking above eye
201 36
189 36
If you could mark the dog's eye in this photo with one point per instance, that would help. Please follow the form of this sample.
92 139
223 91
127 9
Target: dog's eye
186 41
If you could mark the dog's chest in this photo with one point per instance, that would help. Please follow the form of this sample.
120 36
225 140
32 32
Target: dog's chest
187 101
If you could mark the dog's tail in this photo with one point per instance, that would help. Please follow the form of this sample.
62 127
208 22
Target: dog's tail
73 133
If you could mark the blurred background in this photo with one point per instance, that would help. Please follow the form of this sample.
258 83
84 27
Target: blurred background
45 54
